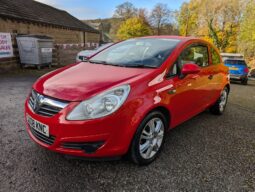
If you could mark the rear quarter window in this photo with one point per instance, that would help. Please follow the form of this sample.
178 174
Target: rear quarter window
215 57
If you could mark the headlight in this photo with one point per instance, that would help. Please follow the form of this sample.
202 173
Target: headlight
101 105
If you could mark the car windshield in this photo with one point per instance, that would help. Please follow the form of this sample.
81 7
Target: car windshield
142 52
235 62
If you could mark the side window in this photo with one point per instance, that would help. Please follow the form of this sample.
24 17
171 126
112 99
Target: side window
215 57
197 54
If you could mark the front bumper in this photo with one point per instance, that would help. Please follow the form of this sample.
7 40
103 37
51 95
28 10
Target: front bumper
104 137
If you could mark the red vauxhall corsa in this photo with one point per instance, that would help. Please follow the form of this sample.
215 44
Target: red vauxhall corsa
125 98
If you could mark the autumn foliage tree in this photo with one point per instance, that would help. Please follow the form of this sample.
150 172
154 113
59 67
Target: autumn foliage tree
133 27
217 22
246 39
187 18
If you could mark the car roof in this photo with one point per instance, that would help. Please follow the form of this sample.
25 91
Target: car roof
181 38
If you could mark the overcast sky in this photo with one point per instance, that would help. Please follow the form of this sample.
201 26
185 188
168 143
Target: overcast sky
94 9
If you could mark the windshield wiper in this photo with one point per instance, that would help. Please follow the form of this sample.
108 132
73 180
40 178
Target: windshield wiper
129 65
140 66
104 63
97 62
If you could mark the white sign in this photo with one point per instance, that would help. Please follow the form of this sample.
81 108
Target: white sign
6 49
46 50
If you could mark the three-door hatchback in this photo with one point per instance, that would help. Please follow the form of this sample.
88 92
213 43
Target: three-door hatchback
125 98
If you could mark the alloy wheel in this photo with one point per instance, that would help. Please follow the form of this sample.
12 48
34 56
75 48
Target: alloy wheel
223 100
151 138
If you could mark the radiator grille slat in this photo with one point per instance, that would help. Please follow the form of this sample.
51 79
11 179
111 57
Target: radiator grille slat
45 106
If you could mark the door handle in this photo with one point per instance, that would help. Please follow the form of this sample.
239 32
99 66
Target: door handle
210 77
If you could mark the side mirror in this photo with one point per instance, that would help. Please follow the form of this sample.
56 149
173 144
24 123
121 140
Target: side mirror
190 68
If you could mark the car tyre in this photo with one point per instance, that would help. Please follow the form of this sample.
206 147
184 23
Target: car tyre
147 144
244 81
219 107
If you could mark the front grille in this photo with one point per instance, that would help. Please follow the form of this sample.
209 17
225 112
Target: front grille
45 106
48 140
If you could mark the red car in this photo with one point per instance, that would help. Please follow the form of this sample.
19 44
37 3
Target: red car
125 98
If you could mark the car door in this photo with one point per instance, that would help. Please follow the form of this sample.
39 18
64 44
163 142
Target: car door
206 83
188 95
218 74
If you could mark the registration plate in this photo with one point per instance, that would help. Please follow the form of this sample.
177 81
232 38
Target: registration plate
38 126
233 68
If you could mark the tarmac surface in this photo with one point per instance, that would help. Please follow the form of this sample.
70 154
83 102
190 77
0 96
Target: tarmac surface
207 153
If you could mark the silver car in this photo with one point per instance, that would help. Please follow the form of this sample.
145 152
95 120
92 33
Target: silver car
86 54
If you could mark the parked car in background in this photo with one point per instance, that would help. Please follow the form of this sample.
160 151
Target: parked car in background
124 99
238 70
231 56
86 54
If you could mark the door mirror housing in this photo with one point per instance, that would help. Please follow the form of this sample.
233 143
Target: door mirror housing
190 68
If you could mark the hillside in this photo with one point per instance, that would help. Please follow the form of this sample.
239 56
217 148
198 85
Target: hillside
108 26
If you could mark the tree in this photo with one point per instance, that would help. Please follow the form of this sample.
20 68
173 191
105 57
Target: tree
187 18
133 27
217 22
143 15
160 15
125 11
246 39
222 19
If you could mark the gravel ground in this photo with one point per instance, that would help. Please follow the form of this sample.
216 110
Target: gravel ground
207 153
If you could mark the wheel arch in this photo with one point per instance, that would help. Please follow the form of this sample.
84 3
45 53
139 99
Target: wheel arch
164 110
228 87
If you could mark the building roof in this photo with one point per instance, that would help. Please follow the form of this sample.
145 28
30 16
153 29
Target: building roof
30 10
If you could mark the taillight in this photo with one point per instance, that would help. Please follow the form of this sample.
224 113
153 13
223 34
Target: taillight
246 70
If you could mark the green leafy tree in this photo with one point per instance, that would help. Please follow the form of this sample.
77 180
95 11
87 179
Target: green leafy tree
133 27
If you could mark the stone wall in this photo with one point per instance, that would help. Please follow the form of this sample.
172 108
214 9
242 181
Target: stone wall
64 55
63 37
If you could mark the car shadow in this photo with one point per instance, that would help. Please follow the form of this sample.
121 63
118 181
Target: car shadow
174 137
251 83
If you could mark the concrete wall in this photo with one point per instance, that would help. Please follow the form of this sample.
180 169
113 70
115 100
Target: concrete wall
60 36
